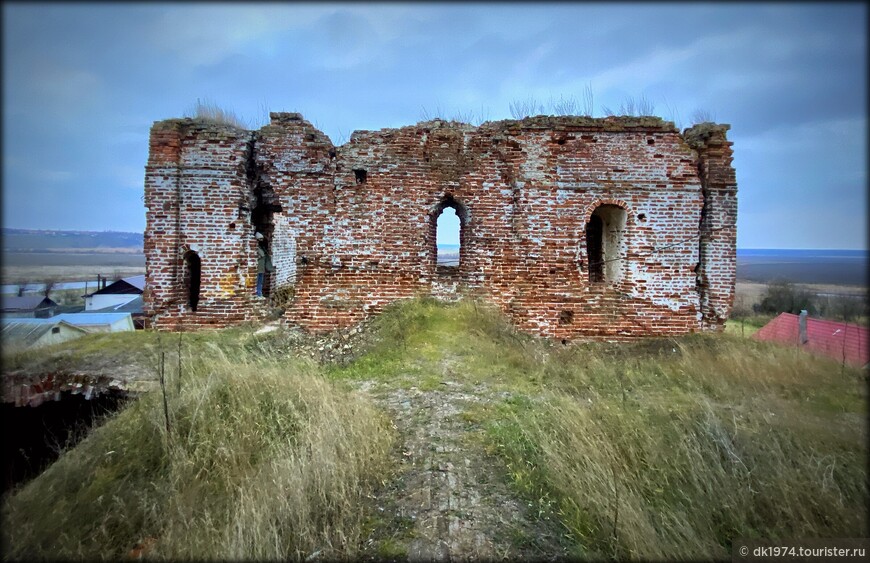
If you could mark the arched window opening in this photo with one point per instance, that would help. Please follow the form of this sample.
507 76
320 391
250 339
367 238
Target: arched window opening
447 237
447 230
192 275
593 248
605 245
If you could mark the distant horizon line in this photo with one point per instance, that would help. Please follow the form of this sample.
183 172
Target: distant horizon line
775 248
745 248
865 249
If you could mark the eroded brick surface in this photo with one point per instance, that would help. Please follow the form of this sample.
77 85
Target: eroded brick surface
352 228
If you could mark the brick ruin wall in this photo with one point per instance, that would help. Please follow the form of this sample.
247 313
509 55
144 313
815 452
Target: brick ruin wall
352 228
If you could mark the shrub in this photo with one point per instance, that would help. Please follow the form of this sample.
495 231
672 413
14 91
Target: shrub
783 297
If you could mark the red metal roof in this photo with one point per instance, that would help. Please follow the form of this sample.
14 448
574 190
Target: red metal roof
831 338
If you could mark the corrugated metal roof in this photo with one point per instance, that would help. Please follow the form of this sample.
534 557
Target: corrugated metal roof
836 340
25 302
133 306
25 332
136 281
76 319
91 318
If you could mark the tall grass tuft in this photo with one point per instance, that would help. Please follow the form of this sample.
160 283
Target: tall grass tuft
263 461
675 454
210 112
661 448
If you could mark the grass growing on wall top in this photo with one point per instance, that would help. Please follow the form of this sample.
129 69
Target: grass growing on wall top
210 112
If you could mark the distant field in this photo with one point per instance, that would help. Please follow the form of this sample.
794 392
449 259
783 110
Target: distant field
38 266
94 250
28 240
73 259
839 267
823 272
754 290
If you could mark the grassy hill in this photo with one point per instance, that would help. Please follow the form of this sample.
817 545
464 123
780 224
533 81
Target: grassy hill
655 449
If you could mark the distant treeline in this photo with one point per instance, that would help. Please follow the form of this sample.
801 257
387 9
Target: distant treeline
781 296
33 240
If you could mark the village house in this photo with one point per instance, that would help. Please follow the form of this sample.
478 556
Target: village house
844 342
99 322
116 293
33 306
21 333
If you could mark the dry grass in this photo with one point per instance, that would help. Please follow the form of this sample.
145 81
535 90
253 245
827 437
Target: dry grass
263 461
678 454
210 112
656 449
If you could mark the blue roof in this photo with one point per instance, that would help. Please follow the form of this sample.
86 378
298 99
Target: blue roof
73 318
19 331
25 302
28 320
92 318
132 306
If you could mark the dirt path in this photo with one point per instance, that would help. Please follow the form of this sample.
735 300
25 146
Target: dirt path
451 501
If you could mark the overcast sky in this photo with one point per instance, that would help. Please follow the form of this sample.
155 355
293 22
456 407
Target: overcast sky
82 85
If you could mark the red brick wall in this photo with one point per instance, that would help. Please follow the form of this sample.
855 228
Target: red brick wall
195 184
525 190
718 264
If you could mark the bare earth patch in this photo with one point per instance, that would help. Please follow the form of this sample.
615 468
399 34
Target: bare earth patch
451 500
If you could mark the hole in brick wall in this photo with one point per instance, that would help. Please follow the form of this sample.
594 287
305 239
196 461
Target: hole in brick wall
561 141
564 342
605 243
566 318
447 237
650 141
192 276
232 226
331 153
593 249
641 216
361 175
